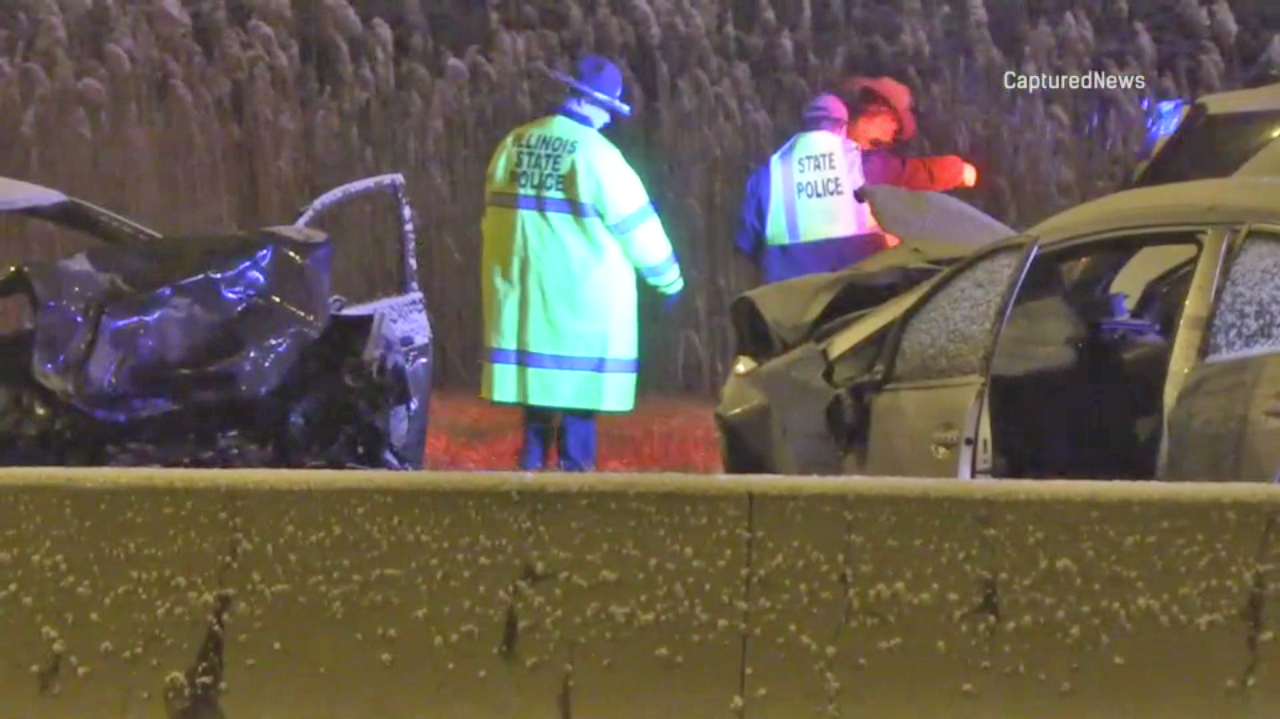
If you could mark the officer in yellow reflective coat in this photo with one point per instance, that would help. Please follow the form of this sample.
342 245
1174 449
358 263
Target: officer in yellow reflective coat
567 225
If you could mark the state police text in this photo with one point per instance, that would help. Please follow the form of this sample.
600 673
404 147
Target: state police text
542 161
829 183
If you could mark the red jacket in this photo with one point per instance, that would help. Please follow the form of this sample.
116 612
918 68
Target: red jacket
933 174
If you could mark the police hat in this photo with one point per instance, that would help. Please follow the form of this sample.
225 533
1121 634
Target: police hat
598 81
826 107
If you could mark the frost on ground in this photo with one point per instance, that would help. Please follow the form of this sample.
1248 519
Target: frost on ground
662 435
965 603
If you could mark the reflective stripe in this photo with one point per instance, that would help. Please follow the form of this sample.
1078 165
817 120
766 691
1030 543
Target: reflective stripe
653 272
632 222
536 203
678 281
791 219
539 360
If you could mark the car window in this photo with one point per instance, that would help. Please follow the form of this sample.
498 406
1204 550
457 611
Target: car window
1246 320
951 333
1147 265
1073 292
1209 146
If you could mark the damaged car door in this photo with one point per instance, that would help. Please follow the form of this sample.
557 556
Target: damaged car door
1225 423
923 401
401 327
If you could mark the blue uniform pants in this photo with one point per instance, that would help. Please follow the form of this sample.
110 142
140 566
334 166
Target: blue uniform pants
574 437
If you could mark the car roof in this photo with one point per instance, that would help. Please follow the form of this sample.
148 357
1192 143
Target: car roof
1215 201
1266 97
1267 160
16 195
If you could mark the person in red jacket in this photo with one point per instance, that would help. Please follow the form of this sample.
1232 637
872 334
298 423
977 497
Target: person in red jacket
882 117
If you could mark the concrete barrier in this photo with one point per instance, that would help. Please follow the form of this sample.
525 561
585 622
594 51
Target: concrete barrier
281 595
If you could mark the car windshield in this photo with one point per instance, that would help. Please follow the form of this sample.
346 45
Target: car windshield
1211 146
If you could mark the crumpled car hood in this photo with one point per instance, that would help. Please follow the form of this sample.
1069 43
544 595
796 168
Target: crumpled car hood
135 330
936 230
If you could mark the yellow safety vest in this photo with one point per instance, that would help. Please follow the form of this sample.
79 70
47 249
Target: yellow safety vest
812 181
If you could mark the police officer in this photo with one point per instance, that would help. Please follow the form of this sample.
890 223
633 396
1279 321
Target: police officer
800 214
567 225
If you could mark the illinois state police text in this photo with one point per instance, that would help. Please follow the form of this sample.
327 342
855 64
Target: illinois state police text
542 162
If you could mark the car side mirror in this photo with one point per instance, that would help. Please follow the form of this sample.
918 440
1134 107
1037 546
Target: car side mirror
849 413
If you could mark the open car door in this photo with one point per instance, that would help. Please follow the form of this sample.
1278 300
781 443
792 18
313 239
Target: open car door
921 406
1225 421
401 325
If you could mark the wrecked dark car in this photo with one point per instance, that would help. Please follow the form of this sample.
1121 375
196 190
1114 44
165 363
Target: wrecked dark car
1136 336
211 351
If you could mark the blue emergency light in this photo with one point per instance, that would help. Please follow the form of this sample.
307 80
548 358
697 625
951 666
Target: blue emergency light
1163 119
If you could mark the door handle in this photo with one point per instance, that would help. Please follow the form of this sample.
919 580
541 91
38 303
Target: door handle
944 441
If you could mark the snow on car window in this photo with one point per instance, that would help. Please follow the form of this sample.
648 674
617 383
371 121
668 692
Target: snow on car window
950 334
1246 320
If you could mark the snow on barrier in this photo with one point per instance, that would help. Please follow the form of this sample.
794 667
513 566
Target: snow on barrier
376 595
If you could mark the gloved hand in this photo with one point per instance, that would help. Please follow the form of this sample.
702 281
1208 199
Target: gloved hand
970 177
670 302
947 171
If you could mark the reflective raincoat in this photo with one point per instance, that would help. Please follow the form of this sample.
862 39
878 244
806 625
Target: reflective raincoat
567 226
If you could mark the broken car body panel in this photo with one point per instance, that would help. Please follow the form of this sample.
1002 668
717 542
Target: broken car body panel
1148 236
209 351
935 230
401 324
134 330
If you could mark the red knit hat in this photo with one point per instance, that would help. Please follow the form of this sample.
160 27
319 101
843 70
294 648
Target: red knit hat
894 93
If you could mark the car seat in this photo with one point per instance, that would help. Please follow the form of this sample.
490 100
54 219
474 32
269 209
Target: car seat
1066 419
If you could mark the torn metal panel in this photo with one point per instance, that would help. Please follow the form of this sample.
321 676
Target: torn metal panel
402 322
936 230
125 332
407 220
401 338
334 409
225 350
775 318
774 420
